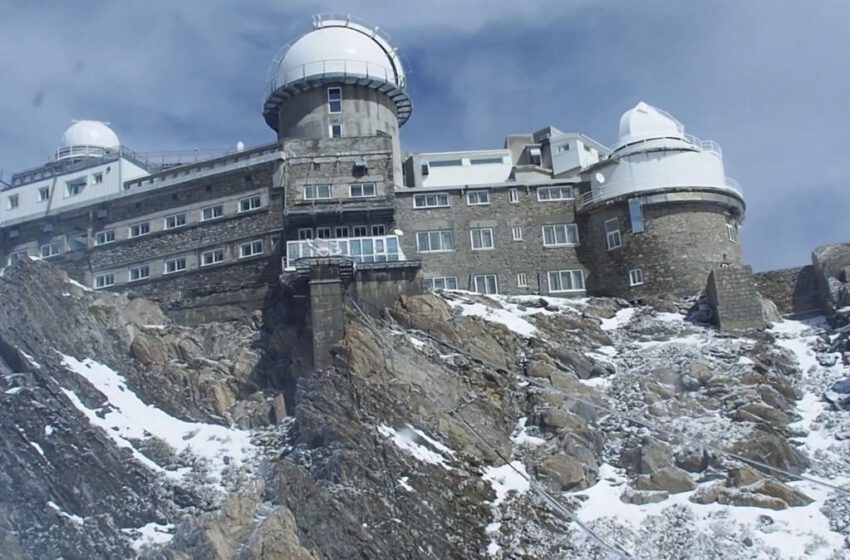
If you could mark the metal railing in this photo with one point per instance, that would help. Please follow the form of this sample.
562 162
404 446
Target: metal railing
704 145
375 249
335 68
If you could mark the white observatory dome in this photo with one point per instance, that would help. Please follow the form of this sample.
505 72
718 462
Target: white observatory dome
87 139
644 122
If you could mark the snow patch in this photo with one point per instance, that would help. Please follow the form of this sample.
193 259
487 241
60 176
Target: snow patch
14 390
38 448
83 287
75 518
150 534
619 320
507 479
406 440
30 359
512 319
48 430
404 484
520 435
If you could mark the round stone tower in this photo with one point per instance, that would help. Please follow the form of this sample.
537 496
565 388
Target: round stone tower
660 213
342 79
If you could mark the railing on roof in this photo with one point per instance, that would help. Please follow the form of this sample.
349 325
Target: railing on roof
704 145
334 68
614 191
376 249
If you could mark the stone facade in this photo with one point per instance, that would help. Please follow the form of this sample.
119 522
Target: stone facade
732 294
793 290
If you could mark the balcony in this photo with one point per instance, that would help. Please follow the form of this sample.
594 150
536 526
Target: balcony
361 250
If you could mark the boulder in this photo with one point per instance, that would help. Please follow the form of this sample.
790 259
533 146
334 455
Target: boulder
771 449
787 494
648 457
149 349
716 493
562 472
643 497
743 476
830 262
692 459
673 480
756 411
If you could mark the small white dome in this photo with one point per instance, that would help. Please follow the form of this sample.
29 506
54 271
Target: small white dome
644 122
90 133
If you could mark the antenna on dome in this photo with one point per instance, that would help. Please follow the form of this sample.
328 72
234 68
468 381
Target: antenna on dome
240 146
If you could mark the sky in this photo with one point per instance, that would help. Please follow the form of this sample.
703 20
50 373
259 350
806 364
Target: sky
768 80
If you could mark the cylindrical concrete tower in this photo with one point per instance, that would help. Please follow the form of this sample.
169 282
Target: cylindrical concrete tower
342 79
659 214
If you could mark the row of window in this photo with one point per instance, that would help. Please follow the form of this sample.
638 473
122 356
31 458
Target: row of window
341 232
323 192
480 198
179 264
73 187
178 220
554 235
560 281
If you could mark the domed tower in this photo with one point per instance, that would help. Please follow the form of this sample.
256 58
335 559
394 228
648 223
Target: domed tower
660 213
343 78
87 139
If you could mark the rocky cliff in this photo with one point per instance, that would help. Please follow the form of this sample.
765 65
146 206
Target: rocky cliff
449 426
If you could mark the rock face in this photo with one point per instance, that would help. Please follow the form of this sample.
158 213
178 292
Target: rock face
831 263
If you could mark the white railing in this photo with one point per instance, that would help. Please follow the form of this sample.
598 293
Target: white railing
705 145
733 184
69 152
377 249
335 68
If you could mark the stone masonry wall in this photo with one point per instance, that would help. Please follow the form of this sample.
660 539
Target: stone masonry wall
733 297
793 290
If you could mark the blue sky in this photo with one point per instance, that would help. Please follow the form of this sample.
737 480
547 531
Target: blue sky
769 81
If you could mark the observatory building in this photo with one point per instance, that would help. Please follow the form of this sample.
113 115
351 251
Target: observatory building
334 198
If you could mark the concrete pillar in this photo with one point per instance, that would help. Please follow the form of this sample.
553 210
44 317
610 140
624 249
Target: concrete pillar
326 311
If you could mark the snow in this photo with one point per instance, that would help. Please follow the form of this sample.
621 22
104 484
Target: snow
404 484
127 417
38 448
48 430
30 359
493 547
521 437
511 318
416 342
406 440
83 287
14 390
75 518
507 479
620 319
152 533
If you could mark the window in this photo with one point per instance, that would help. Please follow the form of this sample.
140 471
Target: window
11 202
566 281
335 100
485 284
436 200
97 178
636 215
213 256
360 231
563 148
635 277
442 283
362 190
513 196
486 161
104 237
251 249
323 232
553 194
51 250
250 203
138 230
16 256
522 280
446 163
335 131
379 229
139 273
435 241
212 212
732 230
43 193
560 235
482 238
175 221
175 265
476 198
341 231
534 157
612 233
75 187
516 233
317 192
305 233
104 280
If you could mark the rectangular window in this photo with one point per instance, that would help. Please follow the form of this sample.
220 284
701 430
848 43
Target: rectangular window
335 100
213 256
16 256
485 284
360 231
636 215
335 131
212 212
635 277
442 283
12 202
317 192
75 187
435 241
138 230
251 248
104 237
305 233
522 280
534 156
482 238
513 196
516 233
104 280
436 200
175 265
43 193
175 221
566 281
553 194
51 250
139 273
477 198
362 190
323 232
612 234
341 231
560 235
732 230
250 203
564 148
97 178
